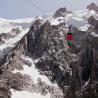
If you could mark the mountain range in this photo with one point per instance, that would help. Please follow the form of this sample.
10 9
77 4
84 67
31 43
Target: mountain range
37 62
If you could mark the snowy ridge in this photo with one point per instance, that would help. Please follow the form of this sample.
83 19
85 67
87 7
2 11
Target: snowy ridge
7 25
87 13
77 18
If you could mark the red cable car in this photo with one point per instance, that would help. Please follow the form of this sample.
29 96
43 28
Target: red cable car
69 37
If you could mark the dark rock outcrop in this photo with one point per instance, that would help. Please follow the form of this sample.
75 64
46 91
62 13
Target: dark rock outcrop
4 90
92 21
62 12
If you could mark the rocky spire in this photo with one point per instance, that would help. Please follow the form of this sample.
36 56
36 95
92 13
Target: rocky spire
61 12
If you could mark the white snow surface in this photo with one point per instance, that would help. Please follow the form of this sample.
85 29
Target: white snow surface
26 94
85 13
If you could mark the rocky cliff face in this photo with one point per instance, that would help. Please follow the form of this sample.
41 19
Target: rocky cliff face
71 68
39 60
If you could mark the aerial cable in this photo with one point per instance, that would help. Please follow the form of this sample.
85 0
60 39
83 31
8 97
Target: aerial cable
39 8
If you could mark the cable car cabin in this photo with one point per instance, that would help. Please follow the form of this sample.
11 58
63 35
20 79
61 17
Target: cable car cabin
69 38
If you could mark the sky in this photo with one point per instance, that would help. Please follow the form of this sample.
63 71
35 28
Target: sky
16 9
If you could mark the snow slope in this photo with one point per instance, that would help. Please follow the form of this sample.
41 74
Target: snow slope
33 72
35 75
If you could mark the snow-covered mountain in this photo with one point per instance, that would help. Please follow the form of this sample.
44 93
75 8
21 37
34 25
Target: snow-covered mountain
35 60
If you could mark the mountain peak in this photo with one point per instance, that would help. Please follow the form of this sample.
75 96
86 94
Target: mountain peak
61 12
93 6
